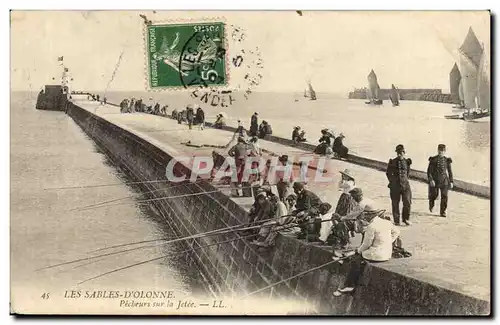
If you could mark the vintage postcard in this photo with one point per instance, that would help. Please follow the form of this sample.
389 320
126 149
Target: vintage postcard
250 163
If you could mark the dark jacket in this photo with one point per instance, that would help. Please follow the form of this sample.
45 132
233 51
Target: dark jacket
398 171
295 134
190 114
439 170
261 211
325 139
254 124
308 201
238 151
200 116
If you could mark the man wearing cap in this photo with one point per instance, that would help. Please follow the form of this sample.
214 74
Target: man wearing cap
254 124
376 246
306 208
440 178
398 170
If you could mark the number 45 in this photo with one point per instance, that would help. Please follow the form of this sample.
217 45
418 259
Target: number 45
45 295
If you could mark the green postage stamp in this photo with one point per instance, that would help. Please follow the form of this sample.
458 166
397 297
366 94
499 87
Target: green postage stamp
186 55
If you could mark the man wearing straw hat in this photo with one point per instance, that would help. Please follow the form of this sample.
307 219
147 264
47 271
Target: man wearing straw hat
379 234
398 170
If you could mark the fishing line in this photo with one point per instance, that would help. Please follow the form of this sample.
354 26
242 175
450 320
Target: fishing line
144 201
158 258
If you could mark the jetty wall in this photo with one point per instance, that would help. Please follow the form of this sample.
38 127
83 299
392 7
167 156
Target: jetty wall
417 175
235 267
430 95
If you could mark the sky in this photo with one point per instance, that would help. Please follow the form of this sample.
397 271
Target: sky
335 50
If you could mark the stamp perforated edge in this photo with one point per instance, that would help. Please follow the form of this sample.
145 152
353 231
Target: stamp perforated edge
184 21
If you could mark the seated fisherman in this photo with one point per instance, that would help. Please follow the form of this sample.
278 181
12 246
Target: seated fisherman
344 226
297 135
279 217
376 247
265 129
261 208
306 210
220 122
325 142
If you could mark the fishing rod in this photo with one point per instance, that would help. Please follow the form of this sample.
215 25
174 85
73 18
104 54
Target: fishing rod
184 251
158 258
186 237
103 185
294 276
131 196
144 201
135 195
128 250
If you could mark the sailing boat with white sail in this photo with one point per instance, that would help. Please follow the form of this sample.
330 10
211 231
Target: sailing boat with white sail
474 88
310 93
394 96
372 92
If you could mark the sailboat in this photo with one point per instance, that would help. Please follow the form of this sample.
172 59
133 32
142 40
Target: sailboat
311 94
474 84
394 96
456 87
372 92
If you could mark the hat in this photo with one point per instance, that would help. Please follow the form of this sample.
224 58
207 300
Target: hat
298 186
400 148
325 206
256 113
283 158
347 173
356 191
291 196
441 147
341 135
370 212
297 127
261 193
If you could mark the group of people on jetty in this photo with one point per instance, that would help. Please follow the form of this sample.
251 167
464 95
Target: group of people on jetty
283 205
286 206
325 147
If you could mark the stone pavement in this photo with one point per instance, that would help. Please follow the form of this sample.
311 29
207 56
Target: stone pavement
452 252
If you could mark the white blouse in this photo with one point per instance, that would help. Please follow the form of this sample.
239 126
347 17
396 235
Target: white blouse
346 186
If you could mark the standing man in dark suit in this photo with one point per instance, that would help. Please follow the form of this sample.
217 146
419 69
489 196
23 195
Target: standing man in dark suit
254 124
398 170
440 178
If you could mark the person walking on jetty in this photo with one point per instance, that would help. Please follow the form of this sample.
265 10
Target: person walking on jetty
376 246
190 116
239 153
338 148
254 124
200 117
398 170
306 209
440 176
